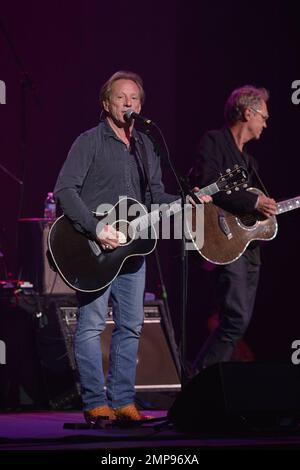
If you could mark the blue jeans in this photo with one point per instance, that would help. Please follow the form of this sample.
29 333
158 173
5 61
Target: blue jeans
127 296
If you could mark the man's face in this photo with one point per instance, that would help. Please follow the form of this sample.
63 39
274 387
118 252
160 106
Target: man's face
125 94
257 119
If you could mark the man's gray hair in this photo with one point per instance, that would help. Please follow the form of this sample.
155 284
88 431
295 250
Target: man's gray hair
247 96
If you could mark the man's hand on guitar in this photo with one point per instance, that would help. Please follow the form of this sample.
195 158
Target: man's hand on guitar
110 238
266 206
203 198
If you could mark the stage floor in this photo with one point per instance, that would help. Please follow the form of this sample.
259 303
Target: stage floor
43 436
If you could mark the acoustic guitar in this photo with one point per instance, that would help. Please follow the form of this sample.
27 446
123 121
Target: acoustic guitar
226 235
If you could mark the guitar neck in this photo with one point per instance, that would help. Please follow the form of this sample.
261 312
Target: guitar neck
174 208
288 205
209 190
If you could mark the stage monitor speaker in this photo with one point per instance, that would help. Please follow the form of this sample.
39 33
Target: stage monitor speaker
21 382
239 397
156 369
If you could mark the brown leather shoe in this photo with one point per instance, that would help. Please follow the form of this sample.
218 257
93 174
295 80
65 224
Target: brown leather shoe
104 412
129 413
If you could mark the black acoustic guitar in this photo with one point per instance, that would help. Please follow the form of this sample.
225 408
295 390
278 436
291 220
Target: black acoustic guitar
226 235
85 267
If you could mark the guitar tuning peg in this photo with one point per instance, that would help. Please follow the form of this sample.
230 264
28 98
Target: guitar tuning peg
228 170
245 185
235 166
228 192
237 188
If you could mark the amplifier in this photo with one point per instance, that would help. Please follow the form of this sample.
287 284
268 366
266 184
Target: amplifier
156 367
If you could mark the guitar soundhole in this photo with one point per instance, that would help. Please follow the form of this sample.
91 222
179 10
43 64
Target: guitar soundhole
248 220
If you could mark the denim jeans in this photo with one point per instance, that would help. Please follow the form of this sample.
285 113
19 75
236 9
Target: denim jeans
127 296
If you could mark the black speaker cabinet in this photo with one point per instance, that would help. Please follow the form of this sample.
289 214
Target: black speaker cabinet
239 397
156 367
21 381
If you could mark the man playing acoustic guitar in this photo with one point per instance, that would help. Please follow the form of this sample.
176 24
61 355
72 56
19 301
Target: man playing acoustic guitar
103 164
246 116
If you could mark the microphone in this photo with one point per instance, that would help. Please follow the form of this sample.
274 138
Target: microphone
130 114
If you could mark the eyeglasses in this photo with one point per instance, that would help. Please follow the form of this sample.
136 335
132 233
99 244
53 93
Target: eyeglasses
264 116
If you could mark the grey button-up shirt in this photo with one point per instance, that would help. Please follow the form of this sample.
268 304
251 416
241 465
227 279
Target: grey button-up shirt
99 169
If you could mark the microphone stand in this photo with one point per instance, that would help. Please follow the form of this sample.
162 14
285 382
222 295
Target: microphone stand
183 258
10 174
184 286
167 317
26 84
20 182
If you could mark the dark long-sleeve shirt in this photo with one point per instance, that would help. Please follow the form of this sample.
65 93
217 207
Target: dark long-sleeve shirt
99 169
217 152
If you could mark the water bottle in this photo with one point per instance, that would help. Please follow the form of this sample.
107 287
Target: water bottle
50 207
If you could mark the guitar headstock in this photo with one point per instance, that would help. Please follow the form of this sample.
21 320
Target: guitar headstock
233 179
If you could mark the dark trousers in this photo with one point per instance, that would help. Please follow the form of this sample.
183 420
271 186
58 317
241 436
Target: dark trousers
236 287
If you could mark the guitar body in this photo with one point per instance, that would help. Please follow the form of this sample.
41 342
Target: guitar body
226 236
82 264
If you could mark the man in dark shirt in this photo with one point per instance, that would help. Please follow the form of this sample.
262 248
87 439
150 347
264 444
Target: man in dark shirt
103 164
246 116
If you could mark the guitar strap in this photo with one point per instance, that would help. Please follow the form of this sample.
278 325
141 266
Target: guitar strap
260 181
248 164
252 167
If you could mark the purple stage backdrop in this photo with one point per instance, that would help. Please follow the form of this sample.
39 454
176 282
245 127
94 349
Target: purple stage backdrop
54 56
